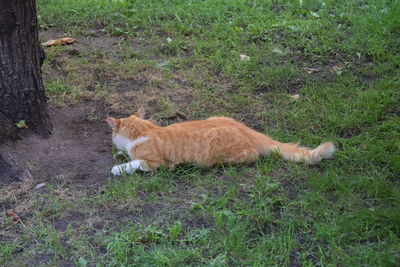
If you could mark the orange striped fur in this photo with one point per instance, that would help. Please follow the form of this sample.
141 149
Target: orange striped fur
206 142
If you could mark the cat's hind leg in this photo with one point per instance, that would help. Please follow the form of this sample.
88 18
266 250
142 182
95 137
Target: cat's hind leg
244 157
129 167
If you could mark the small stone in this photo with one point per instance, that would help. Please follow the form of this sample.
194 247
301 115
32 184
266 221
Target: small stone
244 58
296 96
38 186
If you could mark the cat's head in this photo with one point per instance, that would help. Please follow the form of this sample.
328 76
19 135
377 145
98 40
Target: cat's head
128 129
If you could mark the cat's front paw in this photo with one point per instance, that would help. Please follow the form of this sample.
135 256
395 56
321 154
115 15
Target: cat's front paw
116 170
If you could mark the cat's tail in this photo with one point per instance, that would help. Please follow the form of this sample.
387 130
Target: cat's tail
294 152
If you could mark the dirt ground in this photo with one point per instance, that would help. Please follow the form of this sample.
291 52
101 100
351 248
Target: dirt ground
78 149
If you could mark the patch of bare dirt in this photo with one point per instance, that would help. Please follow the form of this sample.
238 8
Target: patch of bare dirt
72 218
98 40
78 149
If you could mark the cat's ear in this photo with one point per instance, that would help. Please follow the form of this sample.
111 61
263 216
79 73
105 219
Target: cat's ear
113 122
140 113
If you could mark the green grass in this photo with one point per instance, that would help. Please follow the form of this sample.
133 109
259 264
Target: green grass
342 212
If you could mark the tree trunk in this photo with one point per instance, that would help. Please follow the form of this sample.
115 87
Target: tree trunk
11 169
22 94
21 88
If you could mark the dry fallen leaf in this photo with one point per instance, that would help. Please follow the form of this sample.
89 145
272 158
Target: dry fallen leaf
14 216
296 96
244 58
311 70
61 41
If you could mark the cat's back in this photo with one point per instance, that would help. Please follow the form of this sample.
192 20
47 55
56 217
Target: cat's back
204 125
195 131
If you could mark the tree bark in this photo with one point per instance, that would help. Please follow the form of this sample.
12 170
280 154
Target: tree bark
11 168
22 94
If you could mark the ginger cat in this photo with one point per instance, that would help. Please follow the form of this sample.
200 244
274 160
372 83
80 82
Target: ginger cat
207 142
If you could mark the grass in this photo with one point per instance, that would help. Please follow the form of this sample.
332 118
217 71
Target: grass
341 57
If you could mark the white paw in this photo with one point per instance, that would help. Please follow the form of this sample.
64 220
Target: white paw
116 170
